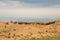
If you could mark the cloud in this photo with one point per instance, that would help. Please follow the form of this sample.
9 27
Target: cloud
29 3
41 3
25 8
10 4
31 12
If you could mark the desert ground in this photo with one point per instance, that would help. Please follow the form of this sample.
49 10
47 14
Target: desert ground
30 30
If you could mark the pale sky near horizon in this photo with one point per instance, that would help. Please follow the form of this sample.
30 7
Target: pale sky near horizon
30 8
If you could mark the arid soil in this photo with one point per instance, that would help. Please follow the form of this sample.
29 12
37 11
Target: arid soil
27 30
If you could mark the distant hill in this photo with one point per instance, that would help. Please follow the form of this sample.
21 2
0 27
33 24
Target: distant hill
28 19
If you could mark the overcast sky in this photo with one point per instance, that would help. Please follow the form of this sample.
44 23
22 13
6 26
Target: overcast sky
30 8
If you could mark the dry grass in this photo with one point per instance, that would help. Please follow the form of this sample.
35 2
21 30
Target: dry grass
30 30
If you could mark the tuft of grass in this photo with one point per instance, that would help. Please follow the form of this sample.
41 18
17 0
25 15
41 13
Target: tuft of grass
5 26
14 29
39 32
5 31
43 38
8 36
32 38
0 32
9 33
7 23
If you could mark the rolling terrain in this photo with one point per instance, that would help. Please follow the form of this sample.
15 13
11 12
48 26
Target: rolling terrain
30 30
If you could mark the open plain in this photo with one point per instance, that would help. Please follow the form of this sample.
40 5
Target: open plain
30 30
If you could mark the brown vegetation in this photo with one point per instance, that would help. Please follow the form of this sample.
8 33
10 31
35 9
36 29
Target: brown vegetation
29 30
39 23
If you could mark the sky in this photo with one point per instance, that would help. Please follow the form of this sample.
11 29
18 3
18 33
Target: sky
30 8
